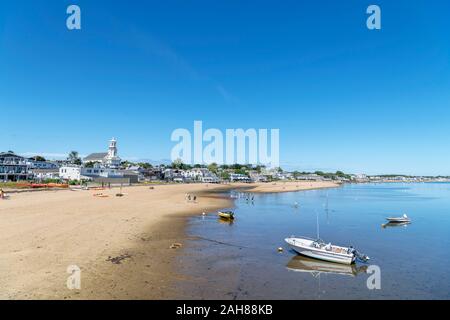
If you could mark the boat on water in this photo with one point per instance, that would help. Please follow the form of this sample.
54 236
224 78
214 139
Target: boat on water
401 219
318 249
316 267
227 215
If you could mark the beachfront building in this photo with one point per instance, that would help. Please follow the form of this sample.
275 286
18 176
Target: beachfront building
238 177
108 159
256 176
174 175
154 174
34 164
360 178
44 174
210 179
193 175
200 175
78 173
13 167
283 176
309 177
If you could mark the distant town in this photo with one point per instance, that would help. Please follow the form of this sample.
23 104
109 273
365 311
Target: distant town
108 167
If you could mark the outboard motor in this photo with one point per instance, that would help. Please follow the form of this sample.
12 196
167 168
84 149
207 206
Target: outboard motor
358 255
361 257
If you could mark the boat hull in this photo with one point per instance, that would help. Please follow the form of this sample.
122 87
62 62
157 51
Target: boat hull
320 254
226 216
398 220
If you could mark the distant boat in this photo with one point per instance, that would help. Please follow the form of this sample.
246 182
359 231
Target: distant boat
227 215
318 249
401 219
316 267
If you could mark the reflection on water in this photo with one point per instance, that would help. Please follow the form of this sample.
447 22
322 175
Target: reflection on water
225 221
304 264
395 224
241 261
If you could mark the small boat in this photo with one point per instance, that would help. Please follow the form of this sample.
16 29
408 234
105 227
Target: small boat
401 219
227 215
318 249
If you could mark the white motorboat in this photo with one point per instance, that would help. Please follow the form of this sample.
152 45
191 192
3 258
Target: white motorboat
318 249
401 219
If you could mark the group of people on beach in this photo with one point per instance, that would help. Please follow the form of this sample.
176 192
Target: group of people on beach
188 197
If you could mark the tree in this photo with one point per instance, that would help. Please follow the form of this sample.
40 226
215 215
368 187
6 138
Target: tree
74 158
225 175
213 167
126 164
39 158
177 164
145 165
240 171
259 168
90 164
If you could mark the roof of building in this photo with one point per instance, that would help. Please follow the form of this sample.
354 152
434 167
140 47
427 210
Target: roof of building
96 156
10 154
45 170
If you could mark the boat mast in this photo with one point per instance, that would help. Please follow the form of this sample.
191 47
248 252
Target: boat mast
317 218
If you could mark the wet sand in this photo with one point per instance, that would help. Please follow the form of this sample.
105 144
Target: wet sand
121 244
290 186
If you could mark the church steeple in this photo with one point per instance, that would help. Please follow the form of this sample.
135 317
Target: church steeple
112 152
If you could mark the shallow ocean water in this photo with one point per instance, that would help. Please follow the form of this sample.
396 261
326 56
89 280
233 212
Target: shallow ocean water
240 260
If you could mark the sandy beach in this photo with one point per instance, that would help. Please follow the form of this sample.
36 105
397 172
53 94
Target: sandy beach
121 244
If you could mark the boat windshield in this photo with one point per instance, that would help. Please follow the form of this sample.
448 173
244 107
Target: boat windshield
318 243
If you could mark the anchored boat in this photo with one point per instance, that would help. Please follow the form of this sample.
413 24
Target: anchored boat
318 249
227 215
401 219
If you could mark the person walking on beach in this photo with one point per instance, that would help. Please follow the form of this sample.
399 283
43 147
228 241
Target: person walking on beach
2 194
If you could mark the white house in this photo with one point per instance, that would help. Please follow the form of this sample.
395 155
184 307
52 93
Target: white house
82 173
70 173
42 174
239 177
200 174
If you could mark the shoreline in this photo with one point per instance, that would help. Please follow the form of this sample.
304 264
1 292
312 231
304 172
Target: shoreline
121 244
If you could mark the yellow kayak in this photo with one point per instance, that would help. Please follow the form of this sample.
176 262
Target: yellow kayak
229 215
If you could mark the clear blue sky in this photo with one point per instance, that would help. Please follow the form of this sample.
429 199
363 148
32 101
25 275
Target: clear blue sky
342 96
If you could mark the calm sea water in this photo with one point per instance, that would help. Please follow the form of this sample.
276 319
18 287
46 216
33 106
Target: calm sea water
240 260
